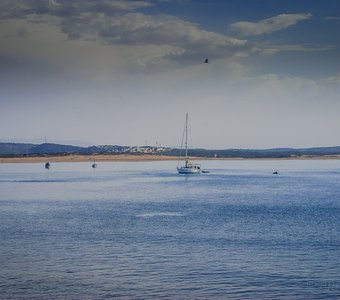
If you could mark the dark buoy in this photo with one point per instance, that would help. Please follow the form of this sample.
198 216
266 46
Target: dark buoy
206 61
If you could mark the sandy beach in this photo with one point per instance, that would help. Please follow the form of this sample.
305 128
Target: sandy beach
127 158
84 158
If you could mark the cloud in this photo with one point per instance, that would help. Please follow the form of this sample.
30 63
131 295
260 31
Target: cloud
335 19
21 33
22 9
265 48
141 29
332 18
119 22
332 82
143 40
270 25
138 29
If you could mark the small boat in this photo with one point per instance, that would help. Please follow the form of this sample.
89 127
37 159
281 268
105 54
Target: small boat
276 172
188 167
205 171
94 165
47 165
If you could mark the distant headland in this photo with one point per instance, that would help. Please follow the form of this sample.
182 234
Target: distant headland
25 152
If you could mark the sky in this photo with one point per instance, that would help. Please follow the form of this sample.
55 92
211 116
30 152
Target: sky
126 72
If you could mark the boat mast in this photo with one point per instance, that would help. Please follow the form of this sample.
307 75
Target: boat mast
186 139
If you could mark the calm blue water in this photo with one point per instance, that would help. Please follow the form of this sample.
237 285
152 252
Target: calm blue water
140 231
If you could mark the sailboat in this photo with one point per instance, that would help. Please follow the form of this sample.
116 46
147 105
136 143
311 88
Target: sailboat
188 167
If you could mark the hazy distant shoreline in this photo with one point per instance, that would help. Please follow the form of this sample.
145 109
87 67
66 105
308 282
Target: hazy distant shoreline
136 158
85 158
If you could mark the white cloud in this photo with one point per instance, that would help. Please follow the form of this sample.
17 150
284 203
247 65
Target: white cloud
141 29
119 23
270 25
332 18
265 48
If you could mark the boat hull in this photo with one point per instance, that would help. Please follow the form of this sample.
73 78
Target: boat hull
185 170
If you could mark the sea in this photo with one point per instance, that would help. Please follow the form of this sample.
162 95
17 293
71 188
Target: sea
138 230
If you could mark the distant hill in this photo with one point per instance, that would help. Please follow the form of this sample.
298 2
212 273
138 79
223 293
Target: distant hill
266 153
31 149
22 149
15 148
48 148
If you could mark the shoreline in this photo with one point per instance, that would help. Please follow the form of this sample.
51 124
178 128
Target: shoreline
143 158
